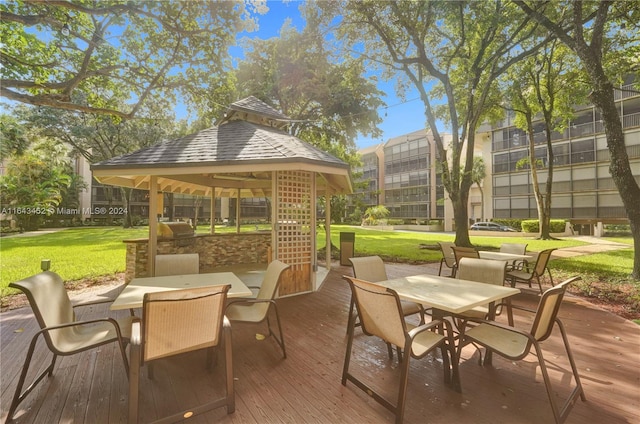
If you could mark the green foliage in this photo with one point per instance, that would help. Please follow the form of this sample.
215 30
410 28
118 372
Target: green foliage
35 184
513 223
533 226
63 54
375 214
451 53
12 134
74 253
330 100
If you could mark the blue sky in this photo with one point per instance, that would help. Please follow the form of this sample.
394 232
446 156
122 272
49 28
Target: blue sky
398 118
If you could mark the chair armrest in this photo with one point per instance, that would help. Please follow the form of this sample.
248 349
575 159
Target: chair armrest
81 323
248 300
136 332
512 306
425 327
78 323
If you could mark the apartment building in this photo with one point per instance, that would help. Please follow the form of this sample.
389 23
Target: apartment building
584 193
401 175
583 190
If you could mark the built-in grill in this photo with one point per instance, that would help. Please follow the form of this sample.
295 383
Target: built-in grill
174 230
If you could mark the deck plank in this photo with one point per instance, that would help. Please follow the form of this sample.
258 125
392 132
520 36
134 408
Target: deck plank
92 387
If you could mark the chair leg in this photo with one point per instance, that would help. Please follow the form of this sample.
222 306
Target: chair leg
134 382
440 270
402 392
280 340
550 277
347 356
18 395
351 310
228 365
539 284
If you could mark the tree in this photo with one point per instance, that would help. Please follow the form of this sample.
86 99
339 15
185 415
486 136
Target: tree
602 34
35 183
99 137
375 213
328 99
450 52
14 139
544 86
87 56
330 102
478 174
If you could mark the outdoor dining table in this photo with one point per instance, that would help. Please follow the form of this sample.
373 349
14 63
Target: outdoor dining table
131 296
447 294
509 257
453 295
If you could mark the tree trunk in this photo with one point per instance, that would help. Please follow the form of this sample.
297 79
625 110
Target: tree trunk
461 219
126 198
619 167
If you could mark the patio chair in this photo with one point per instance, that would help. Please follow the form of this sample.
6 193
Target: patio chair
62 333
483 271
460 252
448 258
177 264
175 322
518 249
535 272
256 310
371 268
381 315
515 344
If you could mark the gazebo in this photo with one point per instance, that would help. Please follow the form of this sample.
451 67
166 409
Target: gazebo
248 153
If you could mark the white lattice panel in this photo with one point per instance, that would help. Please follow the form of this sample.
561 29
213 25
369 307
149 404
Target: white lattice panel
293 235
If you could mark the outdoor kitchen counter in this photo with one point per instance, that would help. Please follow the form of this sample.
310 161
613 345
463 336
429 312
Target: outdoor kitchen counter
215 250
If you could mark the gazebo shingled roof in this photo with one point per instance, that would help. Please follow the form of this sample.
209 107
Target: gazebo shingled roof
247 145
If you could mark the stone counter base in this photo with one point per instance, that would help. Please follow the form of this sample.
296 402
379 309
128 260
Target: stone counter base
215 250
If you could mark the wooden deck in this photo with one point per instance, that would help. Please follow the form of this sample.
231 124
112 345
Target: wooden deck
305 388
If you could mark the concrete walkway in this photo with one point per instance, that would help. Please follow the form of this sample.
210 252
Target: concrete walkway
597 245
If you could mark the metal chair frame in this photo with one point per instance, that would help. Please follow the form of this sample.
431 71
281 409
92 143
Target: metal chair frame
266 295
59 326
208 323
373 324
492 336
537 271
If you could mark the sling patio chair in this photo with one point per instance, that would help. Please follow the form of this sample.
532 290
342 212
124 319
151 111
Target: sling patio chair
535 272
518 249
460 252
371 268
177 264
515 344
176 322
448 258
483 271
256 310
62 333
381 315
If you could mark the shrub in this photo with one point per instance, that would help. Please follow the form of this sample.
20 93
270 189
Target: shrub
513 223
531 226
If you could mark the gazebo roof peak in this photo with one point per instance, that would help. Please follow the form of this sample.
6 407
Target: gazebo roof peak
254 110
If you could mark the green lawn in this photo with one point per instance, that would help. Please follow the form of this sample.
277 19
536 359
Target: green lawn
74 253
406 246
96 251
